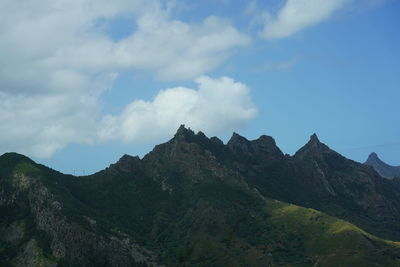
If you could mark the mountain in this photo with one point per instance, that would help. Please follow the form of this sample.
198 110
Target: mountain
385 170
194 201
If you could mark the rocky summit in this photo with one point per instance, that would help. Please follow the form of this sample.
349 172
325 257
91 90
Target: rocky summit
195 201
384 169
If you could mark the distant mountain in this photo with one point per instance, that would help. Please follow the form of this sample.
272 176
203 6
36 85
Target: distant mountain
384 169
194 201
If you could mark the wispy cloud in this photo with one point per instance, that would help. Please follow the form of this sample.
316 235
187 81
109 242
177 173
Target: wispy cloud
297 15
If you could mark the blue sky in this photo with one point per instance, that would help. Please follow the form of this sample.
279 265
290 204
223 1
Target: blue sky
121 77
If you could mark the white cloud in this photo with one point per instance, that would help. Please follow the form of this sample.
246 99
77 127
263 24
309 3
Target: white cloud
297 15
217 105
56 60
174 50
38 39
40 125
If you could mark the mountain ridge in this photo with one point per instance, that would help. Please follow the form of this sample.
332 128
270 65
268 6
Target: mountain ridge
196 201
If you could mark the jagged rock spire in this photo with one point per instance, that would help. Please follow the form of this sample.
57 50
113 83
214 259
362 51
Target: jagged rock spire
182 130
183 133
313 147
314 138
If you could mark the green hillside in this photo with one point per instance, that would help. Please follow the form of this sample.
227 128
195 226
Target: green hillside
330 241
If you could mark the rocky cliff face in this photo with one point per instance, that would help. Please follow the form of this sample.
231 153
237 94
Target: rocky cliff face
196 201
385 170
42 222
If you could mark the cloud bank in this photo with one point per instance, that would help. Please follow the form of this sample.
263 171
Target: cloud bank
39 125
297 15
216 106
57 59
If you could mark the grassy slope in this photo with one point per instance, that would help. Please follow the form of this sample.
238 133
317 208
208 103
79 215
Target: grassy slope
331 241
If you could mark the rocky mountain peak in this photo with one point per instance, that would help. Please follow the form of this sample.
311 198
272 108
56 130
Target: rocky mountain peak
373 157
187 135
237 138
183 133
238 143
264 145
265 141
314 143
216 140
314 138
267 145
128 158
385 170
314 147
127 163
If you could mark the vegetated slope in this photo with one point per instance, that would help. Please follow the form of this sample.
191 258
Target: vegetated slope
321 178
191 201
331 241
384 169
42 224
